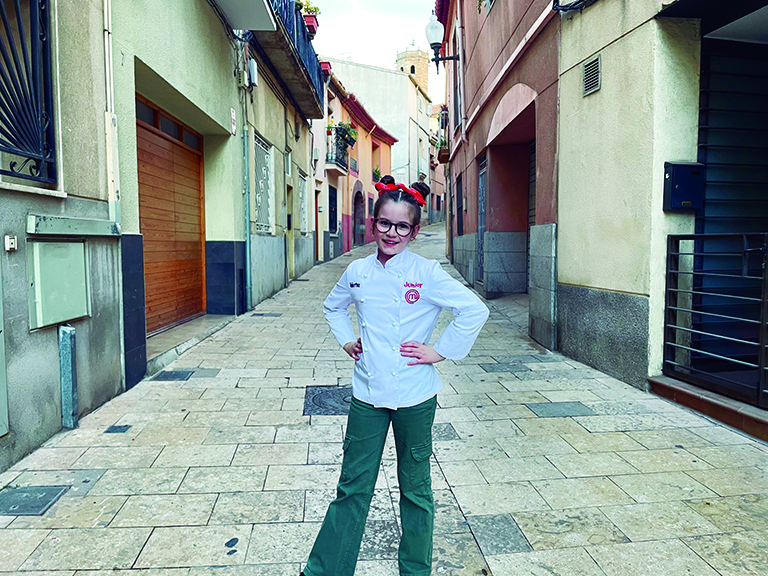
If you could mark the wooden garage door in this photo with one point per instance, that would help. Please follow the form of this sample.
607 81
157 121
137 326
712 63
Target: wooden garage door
170 212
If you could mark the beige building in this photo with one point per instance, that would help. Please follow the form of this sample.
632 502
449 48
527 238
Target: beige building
660 132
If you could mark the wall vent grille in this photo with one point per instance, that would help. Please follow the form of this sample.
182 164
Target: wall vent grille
592 75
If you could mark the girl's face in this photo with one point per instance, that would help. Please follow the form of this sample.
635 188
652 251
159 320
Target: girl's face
390 243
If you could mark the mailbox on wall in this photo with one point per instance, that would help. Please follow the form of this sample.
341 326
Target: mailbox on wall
58 282
683 186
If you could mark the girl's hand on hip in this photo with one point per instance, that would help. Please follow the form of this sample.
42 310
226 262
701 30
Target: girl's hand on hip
354 349
424 354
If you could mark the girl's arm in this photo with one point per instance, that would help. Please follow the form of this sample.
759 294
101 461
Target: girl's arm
471 314
336 309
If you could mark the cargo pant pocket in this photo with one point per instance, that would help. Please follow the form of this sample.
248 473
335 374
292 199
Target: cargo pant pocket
418 463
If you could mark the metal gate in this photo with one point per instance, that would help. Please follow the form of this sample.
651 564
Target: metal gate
715 321
481 193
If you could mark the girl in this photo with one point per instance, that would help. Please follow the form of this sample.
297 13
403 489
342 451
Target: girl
398 297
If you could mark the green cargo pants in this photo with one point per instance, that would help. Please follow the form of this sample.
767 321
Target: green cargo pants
338 543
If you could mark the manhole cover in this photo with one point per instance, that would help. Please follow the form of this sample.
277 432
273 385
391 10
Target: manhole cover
30 500
327 400
173 375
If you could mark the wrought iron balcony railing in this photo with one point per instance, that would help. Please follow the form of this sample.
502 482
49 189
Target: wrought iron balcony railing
338 151
297 30
27 134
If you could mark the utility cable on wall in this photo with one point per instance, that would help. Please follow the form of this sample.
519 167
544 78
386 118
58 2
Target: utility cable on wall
571 6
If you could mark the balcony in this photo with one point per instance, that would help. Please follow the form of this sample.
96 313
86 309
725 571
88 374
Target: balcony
337 158
293 58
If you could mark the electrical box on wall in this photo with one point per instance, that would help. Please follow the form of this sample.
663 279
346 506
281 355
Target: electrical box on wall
58 282
683 186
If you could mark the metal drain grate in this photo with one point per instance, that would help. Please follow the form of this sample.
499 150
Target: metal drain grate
114 429
30 500
327 400
173 375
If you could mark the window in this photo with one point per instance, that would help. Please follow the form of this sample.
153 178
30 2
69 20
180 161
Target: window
413 69
264 185
151 115
27 134
332 218
303 203
370 206
456 86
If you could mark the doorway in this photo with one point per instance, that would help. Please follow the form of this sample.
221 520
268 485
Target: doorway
171 217
359 219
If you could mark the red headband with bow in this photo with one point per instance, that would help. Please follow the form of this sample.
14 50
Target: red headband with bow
389 187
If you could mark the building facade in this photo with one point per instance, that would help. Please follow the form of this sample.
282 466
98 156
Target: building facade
402 110
502 148
349 168
134 209
643 289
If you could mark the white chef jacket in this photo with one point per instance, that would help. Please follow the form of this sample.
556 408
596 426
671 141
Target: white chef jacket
396 304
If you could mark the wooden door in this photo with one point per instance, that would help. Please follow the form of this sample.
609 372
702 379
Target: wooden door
171 219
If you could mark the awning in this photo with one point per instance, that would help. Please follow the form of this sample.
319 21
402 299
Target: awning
248 14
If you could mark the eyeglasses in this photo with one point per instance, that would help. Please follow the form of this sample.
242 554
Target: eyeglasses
402 228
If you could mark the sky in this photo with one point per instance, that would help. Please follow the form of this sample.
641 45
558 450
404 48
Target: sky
373 32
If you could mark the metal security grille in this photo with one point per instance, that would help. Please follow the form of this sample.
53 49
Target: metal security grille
27 134
263 162
728 297
592 75
715 323
332 212
303 204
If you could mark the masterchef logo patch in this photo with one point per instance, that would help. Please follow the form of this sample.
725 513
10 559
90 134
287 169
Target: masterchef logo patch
412 296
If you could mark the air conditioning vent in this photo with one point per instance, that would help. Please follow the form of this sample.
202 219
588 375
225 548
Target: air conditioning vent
592 75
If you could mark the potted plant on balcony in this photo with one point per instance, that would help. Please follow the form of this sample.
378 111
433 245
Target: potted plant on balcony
348 133
443 153
376 174
310 19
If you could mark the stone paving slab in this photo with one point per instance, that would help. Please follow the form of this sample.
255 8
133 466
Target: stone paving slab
541 465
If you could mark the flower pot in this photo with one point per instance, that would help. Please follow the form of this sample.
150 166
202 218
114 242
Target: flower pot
443 155
312 25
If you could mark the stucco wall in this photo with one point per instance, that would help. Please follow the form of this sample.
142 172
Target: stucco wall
267 265
187 70
612 230
33 378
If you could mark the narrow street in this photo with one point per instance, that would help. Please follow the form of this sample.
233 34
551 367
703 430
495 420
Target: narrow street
220 466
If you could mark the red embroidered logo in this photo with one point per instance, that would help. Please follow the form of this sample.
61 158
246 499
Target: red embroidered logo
412 296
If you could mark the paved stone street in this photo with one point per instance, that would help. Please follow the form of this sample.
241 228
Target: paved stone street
541 465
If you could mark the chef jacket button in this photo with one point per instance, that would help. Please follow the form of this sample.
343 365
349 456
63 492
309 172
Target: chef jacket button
394 348
394 323
399 275
365 349
362 299
365 275
394 373
369 374
397 299
363 324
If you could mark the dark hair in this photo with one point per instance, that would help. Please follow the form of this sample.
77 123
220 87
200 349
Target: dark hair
398 196
422 188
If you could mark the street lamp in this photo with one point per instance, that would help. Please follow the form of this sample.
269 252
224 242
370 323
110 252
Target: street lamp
435 32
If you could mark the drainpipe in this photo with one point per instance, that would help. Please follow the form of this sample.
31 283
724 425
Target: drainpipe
113 168
461 73
247 202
